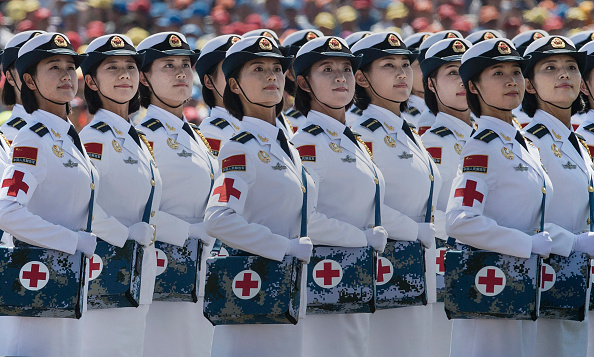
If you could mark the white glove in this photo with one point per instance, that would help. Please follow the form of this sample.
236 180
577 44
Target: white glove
300 248
198 230
377 237
426 234
142 232
584 243
87 242
542 244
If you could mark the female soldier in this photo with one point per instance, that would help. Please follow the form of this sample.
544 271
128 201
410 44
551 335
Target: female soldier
579 40
445 97
495 200
46 198
326 84
415 102
553 82
125 165
187 169
384 82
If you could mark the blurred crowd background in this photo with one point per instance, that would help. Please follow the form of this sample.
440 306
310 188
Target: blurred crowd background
199 21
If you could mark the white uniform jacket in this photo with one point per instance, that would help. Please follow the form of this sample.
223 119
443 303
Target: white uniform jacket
19 118
426 121
416 106
296 119
521 118
219 128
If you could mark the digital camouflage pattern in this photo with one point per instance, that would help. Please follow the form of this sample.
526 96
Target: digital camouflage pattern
568 298
180 280
591 283
63 294
354 293
519 299
118 285
407 286
277 301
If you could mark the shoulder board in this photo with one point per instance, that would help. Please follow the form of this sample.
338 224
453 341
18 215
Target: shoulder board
372 124
590 128
101 126
486 135
442 131
39 129
538 130
294 113
193 126
357 111
313 129
243 137
220 123
17 123
152 124
413 111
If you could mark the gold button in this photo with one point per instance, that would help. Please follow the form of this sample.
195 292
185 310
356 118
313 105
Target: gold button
432 208
588 221
590 189
152 182
303 189
544 190
376 181
152 213
431 177
92 186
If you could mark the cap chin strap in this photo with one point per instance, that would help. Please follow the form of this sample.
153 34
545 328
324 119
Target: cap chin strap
160 100
290 87
447 106
248 99
316 97
376 93
487 104
549 103
13 78
113 100
213 85
42 96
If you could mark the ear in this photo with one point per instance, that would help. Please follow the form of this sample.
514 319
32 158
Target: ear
91 83
431 85
9 78
584 88
143 80
208 82
29 81
361 80
290 75
529 87
472 88
234 86
303 84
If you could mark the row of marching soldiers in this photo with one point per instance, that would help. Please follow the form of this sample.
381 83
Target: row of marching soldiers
337 190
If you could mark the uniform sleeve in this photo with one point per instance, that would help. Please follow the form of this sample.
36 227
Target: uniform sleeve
96 145
108 228
19 182
170 229
464 216
224 211
311 153
399 226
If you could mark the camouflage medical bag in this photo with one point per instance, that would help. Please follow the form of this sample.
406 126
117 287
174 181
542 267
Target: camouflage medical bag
178 271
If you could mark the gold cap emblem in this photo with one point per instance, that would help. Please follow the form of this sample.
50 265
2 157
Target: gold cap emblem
265 44
234 39
488 36
117 42
334 44
592 37
425 37
503 48
557 43
267 34
174 41
393 40
451 35
60 41
537 35
458 47
310 36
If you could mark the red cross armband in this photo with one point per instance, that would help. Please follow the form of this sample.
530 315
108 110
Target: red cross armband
468 194
229 191
18 185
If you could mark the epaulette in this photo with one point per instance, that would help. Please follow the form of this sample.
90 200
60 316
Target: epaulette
357 111
372 124
539 130
313 129
582 141
101 126
442 131
294 113
152 124
17 123
486 135
39 129
590 128
220 123
413 111
243 137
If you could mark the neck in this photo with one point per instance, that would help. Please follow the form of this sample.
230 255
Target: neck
262 113
386 104
219 101
464 116
178 112
56 109
418 93
338 114
18 98
564 115
119 109
506 116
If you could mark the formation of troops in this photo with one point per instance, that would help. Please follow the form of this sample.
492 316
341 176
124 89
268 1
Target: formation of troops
320 154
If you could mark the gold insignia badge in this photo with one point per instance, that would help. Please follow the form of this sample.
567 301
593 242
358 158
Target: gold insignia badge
458 148
458 134
60 41
536 36
391 128
172 144
557 136
505 136
335 148
117 42
117 131
310 36
556 150
235 126
425 37
458 47
557 43
57 151
170 127
590 189
263 139
334 44
390 141
234 39
57 135
451 35
393 40
265 44
507 153
592 37
116 146
332 133
504 48
267 34
264 157
174 41
488 36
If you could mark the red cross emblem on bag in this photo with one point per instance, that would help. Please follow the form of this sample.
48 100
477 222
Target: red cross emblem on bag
385 270
161 261
327 273
34 275
490 281
95 267
246 284
547 277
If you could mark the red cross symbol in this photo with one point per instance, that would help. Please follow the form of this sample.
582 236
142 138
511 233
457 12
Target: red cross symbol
226 190
247 284
325 273
15 184
547 277
440 261
34 275
383 269
491 281
95 265
469 194
160 262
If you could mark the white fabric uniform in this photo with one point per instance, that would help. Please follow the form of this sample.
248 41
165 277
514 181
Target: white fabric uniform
46 209
406 168
19 118
179 328
125 170
426 121
571 175
416 106
521 118
577 120
444 141
501 219
283 123
296 118
219 128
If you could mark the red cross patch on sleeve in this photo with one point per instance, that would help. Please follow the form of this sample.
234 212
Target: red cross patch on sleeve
469 194
226 190
15 184
476 163
307 153
94 150
215 145
435 153
25 155
233 163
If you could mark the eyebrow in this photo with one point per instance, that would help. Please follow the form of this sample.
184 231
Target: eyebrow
452 66
58 60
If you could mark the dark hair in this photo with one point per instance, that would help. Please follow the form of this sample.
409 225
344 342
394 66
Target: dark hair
586 98
144 91
8 91
303 99
430 97
28 96
208 94
530 102
473 100
362 98
232 101
93 99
